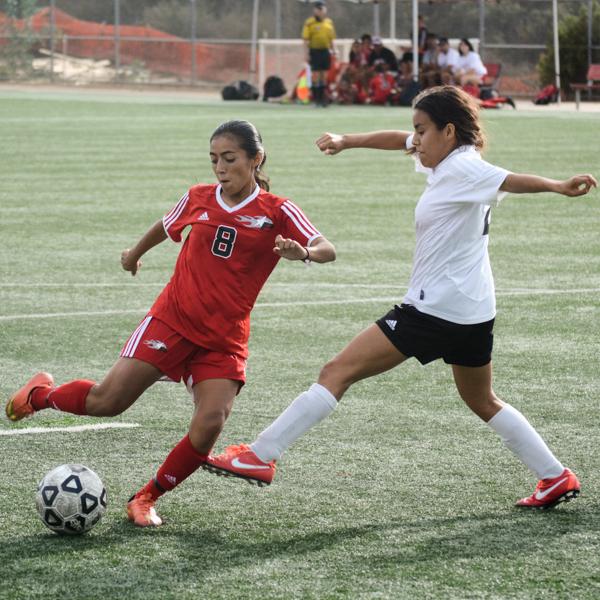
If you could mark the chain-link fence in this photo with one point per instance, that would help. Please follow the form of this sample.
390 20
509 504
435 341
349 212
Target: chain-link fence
204 42
54 45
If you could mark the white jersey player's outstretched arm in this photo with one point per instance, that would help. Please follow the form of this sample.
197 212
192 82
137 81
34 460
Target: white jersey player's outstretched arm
332 143
578 185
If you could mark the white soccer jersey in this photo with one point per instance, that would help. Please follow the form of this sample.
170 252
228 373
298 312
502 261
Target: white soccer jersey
451 277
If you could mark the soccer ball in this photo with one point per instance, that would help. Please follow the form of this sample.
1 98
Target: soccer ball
71 499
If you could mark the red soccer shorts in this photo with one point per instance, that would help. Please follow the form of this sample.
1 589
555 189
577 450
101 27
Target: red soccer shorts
156 343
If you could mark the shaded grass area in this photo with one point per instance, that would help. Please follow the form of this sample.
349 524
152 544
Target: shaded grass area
402 492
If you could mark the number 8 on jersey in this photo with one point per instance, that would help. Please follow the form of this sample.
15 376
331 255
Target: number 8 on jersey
224 241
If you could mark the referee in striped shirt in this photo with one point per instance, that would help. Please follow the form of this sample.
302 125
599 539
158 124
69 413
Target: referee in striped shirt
318 34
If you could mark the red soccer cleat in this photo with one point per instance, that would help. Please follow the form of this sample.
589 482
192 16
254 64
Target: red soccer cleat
240 461
19 406
141 511
550 492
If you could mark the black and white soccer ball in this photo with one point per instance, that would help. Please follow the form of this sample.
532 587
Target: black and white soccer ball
71 499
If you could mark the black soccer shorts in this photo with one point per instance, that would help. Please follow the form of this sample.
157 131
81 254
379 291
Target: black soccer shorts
428 338
320 59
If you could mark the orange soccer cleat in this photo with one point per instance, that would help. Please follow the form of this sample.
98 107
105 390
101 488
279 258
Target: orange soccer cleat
141 511
240 461
19 406
550 492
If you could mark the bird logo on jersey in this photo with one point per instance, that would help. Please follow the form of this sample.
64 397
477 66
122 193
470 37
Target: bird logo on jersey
156 345
255 222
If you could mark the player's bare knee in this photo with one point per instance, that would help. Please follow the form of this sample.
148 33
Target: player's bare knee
212 418
484 406
336 376
329 371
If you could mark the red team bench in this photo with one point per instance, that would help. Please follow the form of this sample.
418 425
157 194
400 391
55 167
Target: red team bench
593 83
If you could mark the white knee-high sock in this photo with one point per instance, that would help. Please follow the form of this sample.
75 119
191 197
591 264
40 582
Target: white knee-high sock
308 409
525 442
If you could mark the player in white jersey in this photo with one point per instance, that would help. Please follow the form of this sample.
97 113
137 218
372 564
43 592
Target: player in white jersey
449 309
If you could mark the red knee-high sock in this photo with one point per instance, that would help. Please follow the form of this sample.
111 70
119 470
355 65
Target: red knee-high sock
182 461
69 397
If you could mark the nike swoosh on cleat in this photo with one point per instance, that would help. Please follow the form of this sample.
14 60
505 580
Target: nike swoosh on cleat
542 495
238 464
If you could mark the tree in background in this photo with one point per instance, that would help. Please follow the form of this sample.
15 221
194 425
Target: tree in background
573 49
16 52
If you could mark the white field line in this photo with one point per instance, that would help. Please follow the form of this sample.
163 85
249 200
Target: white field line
373 299
74 429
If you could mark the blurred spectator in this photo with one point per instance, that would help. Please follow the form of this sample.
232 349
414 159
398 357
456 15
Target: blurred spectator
351 88
356 56
406 87
381 86
447 59
382 55
430 71
353 85
346 90
421 38
422 35
366 42
469 69
431 50
405 68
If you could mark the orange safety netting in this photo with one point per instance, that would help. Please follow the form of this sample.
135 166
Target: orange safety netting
157 51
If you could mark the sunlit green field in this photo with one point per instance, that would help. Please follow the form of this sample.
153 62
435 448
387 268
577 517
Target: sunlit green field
402 493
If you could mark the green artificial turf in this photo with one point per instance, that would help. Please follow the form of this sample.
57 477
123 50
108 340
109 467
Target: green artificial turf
402 492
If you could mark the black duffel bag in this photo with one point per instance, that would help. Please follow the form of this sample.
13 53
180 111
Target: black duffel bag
239 90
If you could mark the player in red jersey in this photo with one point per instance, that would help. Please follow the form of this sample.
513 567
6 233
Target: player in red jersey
198 327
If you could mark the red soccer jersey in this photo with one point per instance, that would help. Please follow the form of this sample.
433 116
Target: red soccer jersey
224 263
380 87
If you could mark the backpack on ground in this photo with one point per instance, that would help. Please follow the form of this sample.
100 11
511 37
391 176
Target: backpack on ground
547 95
239 90
273 88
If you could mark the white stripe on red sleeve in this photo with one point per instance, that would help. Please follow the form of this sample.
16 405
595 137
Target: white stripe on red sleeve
175 213
303 225
302 217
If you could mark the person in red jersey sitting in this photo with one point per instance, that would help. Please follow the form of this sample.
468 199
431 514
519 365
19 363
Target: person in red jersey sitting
197 329
381 86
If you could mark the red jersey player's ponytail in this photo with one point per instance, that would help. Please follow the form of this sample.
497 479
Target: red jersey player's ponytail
262 178
250 141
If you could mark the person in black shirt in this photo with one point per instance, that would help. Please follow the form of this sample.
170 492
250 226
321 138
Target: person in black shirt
382 55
